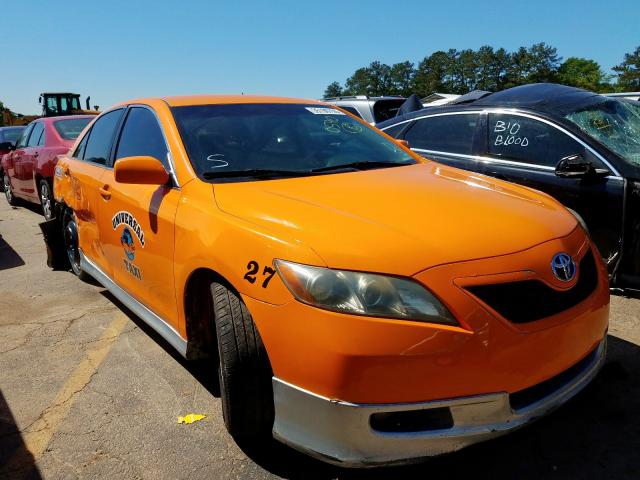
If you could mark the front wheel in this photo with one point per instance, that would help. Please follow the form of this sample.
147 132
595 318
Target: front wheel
244 369
8 192
70 235
46 200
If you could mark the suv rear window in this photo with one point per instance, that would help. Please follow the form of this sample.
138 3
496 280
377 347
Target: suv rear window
386 109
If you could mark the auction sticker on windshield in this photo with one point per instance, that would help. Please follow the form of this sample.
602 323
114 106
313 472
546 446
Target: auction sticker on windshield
324 111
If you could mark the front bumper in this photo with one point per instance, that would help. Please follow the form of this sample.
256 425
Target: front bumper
341 432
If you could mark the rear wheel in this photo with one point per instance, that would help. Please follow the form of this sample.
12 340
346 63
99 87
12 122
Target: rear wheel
8 192
70 235
46 200
244 369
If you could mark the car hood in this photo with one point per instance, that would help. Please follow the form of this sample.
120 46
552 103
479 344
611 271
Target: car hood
399 220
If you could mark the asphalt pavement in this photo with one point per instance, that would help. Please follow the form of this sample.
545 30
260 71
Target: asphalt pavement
87 390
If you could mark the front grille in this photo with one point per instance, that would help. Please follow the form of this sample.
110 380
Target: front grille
531 395
531 300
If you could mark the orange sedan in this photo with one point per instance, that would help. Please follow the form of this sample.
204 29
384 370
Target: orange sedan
360 303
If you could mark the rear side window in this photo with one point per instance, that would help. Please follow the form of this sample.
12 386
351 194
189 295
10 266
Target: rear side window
528 140
79 153
141 136
386 109
444 133
36 133
98 146
22 141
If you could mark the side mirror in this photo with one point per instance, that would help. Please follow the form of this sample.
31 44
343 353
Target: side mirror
8 146
575 166
140 170
404 143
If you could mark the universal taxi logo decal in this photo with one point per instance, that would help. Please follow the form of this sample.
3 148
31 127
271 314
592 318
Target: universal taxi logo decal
125 218
132 228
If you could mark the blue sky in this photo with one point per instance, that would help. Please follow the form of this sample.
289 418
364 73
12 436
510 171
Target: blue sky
115 50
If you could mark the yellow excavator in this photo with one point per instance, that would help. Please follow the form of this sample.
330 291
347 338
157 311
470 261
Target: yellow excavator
53 105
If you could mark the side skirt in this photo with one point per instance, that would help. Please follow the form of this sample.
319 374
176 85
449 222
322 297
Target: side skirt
165 330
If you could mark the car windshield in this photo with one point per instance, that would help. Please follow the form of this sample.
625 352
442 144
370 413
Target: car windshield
12 134
70 128
227 140
614 123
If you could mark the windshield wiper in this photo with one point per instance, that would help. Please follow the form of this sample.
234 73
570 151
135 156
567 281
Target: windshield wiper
253 172
271 173
361 166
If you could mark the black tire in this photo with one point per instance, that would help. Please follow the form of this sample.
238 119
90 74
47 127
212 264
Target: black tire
8 192
244 370
46 200
70 235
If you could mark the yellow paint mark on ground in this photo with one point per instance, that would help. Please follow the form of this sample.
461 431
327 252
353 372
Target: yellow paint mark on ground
192 417
38 435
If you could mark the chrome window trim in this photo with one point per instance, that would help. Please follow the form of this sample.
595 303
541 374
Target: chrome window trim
514 111
172 167
165 330
483 159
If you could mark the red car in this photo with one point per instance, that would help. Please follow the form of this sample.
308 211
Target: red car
29 167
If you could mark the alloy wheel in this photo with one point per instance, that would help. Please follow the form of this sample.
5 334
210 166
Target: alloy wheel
45 200
7 188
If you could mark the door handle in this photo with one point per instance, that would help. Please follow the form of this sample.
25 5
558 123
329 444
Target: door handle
104 191
36 154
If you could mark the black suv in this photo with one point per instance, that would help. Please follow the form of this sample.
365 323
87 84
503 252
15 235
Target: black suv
579 147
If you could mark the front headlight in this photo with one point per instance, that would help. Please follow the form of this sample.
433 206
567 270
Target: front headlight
363 293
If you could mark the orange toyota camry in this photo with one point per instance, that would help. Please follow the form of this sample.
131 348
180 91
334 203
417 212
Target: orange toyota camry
359 303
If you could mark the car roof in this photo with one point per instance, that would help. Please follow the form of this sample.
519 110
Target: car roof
549 98
182 101
13 127
62 117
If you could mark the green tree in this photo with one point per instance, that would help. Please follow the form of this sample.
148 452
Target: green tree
543 63
401 79
358 83
466 71
334 89
538 63
429 76
486 76
501 63
582 73
629 72
379 78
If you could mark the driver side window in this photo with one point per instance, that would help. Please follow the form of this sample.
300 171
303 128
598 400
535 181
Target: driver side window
528 140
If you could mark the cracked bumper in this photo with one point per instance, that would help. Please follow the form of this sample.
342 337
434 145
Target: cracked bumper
341 433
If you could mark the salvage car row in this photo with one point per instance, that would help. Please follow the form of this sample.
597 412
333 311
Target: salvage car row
449 308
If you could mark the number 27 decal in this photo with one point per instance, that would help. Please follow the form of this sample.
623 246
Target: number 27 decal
253 268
